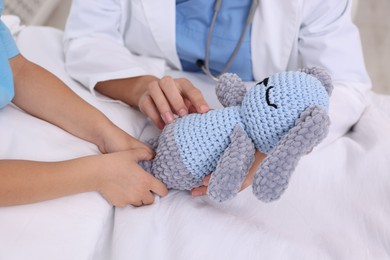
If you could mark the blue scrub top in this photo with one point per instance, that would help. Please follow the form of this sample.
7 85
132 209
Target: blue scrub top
8 50
193 20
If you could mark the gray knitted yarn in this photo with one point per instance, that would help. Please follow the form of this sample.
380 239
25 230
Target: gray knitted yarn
284 116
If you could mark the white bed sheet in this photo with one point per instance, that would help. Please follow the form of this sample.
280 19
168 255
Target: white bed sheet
336 207
75 227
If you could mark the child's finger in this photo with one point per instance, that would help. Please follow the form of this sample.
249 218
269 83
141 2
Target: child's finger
141 154
158 187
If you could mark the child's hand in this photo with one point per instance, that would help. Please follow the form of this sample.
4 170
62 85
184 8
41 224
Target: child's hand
113 139
121 181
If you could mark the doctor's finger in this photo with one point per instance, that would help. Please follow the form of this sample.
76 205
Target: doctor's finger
199 191
191 109
173 95
147 106
194 95
161 102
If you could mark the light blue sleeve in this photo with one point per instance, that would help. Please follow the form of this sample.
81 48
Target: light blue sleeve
8 50
7 43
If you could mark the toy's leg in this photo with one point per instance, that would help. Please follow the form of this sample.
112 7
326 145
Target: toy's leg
232 167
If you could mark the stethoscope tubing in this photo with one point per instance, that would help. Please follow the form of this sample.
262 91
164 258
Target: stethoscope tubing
217 7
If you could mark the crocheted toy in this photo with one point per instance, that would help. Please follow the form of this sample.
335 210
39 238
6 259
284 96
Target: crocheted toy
283 116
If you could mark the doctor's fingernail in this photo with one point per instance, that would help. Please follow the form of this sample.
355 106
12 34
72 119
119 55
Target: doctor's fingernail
182 112
168 117
160 124
204 108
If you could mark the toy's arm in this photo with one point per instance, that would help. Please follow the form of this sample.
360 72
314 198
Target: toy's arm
230 90
232 167
271 179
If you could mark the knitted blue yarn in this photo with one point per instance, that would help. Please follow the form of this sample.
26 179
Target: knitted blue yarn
202 138
292 93
283 116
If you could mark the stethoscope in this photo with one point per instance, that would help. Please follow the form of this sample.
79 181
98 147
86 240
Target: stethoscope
204 65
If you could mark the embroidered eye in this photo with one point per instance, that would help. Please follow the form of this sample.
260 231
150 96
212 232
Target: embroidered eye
267 97
265 83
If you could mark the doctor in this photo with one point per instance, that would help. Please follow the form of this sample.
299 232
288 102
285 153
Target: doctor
121 48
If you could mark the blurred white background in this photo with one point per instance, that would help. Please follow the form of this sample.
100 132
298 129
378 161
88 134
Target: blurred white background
371 17
373 21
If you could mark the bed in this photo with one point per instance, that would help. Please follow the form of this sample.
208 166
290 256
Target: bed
336 207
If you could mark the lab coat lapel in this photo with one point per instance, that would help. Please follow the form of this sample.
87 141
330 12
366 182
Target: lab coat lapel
161 17
274 32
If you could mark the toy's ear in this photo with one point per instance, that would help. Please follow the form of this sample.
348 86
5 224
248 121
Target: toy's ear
271 179
230 90
322 75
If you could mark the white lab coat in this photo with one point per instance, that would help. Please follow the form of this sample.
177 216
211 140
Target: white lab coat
111 39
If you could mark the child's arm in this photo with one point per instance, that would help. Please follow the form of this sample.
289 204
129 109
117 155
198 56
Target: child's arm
116 176
43 95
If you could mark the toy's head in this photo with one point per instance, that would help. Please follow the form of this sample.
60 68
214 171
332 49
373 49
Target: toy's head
285 116
271 108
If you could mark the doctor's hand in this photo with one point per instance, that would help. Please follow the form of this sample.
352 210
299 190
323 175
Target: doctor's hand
158 98
259 157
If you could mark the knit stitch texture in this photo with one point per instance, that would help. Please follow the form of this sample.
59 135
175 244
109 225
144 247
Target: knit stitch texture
284 116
